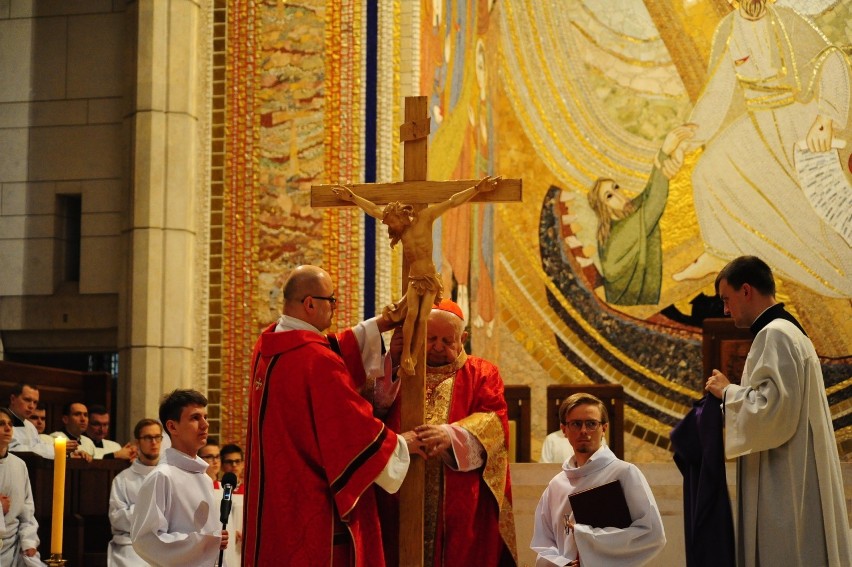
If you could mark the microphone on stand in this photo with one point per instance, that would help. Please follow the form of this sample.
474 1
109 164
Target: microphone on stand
228 482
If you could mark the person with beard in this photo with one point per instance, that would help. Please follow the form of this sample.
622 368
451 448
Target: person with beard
628 236
125 490
778 427
175 522
557 538
414 229
468 502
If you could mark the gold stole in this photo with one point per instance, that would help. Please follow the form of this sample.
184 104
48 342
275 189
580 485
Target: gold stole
487 428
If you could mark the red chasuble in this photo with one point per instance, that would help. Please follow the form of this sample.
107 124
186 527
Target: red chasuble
313 452
471 521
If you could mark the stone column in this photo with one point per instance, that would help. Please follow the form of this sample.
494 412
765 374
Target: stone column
158 325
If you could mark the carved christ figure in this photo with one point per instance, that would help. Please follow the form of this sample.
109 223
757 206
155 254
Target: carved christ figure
414 229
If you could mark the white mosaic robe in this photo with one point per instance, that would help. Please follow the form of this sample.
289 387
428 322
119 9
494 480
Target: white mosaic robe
748 199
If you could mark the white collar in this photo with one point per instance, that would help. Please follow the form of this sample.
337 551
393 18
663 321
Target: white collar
183 461
288 323
599 460
142 469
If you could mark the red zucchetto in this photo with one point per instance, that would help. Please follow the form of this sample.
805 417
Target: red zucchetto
451 306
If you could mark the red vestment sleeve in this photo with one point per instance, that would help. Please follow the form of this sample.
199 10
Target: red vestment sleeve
350 352
314 451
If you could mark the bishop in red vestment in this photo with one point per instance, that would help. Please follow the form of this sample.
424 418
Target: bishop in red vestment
314 448
468 502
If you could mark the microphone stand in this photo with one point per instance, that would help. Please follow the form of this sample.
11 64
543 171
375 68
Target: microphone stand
221 551
225 509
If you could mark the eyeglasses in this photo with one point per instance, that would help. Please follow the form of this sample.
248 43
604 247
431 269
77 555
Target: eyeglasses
210 457
331 299
577 424
232 462
151 438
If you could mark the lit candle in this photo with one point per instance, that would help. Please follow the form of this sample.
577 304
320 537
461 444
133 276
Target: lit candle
58 495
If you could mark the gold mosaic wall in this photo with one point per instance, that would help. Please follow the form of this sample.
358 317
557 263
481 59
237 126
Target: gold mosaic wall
294 118
561 94
555 93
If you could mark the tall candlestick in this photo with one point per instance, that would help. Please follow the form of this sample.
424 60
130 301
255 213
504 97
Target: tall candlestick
58 495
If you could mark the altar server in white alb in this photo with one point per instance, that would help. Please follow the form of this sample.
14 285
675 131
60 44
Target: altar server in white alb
791 505
176 519
18 526
557 537
125 491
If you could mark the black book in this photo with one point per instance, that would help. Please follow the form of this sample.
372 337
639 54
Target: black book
603 506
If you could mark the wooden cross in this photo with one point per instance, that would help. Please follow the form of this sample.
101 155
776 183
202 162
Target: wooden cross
414 190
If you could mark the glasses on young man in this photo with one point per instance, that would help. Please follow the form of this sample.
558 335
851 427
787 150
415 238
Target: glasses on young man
151 438
577 424
232 462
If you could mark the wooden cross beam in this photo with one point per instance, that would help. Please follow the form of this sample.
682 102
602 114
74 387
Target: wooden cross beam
414 190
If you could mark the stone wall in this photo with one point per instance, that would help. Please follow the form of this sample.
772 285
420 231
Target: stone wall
63 162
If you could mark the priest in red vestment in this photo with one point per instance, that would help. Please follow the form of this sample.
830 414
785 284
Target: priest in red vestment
468 501
314 449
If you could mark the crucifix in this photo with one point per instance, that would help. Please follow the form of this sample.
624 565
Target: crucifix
418 194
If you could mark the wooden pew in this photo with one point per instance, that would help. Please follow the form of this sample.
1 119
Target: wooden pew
612 396
518 405
86 527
